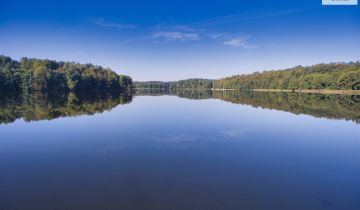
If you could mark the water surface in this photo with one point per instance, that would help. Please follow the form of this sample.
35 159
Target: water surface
229 150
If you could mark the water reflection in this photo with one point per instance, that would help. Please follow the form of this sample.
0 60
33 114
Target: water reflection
161 153
48 106
318 105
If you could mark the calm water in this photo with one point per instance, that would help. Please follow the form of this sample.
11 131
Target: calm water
228 151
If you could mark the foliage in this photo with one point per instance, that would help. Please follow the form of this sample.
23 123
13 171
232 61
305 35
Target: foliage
152 85
192 84
181 84
46 75
342 76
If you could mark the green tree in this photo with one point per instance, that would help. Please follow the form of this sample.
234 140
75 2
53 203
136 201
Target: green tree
40 78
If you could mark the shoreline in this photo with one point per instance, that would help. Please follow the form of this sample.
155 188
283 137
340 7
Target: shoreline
318 91
334 92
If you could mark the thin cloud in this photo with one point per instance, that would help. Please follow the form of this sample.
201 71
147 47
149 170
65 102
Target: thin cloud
173 33
239 42
110 24
238 17
171 36
172 27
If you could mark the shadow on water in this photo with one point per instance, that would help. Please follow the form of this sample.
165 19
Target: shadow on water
318 105
47 106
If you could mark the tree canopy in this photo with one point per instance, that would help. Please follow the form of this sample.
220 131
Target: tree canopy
152 85
336 76
31 74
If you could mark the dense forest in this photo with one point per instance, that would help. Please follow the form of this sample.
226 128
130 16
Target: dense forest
335 76
193 84
341 76
152 85
45 75
181 84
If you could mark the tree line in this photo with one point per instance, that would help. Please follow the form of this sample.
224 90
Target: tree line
31 74
181 84
336 76
152 85
193 84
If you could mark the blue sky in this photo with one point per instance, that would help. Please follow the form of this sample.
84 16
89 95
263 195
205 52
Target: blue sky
171 40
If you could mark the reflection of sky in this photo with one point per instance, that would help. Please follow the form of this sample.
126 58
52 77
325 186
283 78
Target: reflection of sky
170 120
157 41
184 151
146 146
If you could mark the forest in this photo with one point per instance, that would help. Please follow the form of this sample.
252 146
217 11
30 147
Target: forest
153 85
193 84
333 76
31 74
181 84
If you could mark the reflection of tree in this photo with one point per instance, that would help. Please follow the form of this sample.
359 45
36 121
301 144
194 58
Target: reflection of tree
194 94
318 105
47 106
153 92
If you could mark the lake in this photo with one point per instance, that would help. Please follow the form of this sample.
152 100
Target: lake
185 150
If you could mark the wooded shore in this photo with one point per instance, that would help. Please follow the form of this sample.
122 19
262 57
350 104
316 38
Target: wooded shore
321 91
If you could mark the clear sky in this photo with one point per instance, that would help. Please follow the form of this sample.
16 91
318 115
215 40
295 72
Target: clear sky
171 40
